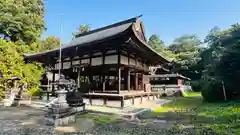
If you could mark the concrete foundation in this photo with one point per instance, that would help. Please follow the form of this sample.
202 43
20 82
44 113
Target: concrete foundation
120 101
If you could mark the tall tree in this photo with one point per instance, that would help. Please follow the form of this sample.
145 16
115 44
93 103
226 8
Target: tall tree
158 45
186 49
21 20
21 25
49 43
220 64
155 42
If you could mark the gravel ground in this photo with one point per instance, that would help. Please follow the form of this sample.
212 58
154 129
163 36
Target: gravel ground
29 121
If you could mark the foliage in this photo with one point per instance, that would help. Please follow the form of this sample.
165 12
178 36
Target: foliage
209 66
157 44
21 20
186 49
82 29
212 91
50 43
220 62
21 25
12 65
227 69
2 92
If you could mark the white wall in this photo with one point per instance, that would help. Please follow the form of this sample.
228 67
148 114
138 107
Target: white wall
85 61
113 59
75 62
132 62
96 61
124 60
66 65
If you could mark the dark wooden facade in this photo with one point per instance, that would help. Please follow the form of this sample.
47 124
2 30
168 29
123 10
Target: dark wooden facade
111 59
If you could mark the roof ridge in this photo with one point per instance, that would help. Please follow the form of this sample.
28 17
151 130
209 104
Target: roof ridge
108 26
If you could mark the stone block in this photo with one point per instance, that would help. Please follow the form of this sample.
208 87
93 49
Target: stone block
86 101
60 121
150 97
138 100
127 102
79 109
97 102
113 103
144 99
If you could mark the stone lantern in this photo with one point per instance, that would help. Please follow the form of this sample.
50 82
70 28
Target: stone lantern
59 112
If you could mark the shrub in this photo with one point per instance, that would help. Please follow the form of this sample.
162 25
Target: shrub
212 91
34 92
196 85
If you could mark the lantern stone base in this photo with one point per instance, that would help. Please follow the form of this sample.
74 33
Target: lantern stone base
79 109
60 121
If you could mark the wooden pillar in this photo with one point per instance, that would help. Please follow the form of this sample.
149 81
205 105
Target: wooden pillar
136 81
129 80
103 62
78 77
122 101
143 86
48 89
90 82
104 84
119 80
53 81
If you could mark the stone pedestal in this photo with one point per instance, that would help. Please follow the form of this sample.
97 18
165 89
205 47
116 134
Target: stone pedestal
59 113
75 100
79 109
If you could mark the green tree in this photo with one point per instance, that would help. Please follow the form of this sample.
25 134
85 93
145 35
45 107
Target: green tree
83 28
12 65
21 25
50 43
21 20
186 51
155 42
220 63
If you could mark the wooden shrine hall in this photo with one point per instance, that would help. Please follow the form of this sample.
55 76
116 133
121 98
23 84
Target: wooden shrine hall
109 64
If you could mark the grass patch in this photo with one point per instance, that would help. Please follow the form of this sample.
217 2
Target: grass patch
99 118
190 109
192 94
180 103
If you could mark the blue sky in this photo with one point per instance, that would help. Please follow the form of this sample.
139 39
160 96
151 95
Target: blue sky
167 18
